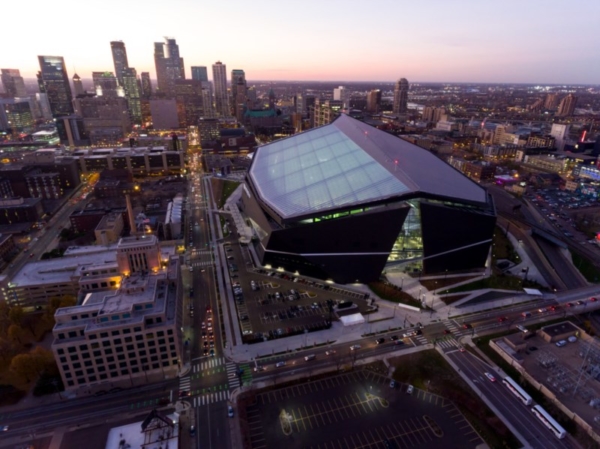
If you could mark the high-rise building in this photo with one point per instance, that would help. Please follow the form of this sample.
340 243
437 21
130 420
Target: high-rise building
551 101
42 107
567 105
169 66
107 85
200 73
131 87
220 84
373 100
325 111
13 83
238 93
78 85
129 332
146 91
560 132
15 115
55 82
190 102
106 118
342 94
119 54
401 96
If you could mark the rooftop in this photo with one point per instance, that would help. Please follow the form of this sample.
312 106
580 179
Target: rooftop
349 163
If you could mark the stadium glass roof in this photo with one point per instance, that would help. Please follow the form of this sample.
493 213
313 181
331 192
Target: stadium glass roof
348 163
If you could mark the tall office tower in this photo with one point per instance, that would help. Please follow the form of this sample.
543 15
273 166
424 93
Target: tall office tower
271 98
131 86
207 100
190 102
551 101
567 106
373 100
238 93
42 106
342 94
401 96
15 115
119 54
13 83
325 111
169 66
107 85
53 76
560 132
146 85
78 86
300 103
105 118
220 83
200 73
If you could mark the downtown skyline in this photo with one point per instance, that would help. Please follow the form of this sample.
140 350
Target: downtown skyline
467 41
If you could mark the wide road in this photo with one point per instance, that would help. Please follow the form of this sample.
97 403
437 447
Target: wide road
208 381
518 414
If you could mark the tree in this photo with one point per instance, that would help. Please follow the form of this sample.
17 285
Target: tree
22 366
6 349
4 317
15 315
16 333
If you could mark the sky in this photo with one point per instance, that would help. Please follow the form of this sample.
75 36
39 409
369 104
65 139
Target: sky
508 41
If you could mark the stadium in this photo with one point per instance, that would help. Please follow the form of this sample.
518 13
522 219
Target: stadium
346 201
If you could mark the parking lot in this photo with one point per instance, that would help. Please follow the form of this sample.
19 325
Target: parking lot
275 304
358 409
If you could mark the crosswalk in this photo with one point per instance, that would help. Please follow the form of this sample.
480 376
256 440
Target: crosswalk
232 375
211 398
203 263
422 339
451 326
212 363
184 383
451 343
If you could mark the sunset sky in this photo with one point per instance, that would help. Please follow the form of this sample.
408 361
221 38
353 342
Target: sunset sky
528 41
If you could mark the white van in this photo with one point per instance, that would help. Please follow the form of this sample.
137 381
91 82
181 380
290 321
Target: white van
310 357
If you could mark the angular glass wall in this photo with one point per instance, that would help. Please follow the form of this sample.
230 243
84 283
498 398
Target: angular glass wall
409 244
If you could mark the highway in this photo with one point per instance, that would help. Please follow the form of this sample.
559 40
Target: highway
519 415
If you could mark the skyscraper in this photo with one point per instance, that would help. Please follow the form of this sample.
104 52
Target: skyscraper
107 85
119 54
190 102
55 81
146 85
199 73
13 83
220 82
78 85
169 66
342 94
238 93
401 96
132 93
567 105
373 100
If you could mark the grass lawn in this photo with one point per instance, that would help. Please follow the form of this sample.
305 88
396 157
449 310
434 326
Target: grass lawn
586 267
502 247
500 282
392 293
451 299
434 284
428 370
225 189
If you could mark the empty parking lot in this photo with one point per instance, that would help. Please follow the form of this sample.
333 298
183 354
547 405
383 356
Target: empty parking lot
355 410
